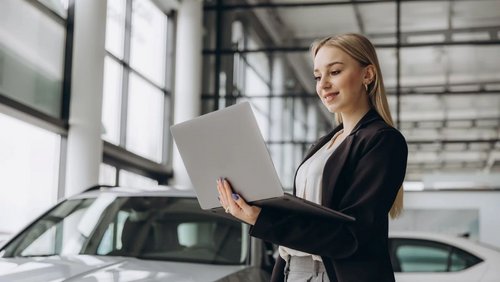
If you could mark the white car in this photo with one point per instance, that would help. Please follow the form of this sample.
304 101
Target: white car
430 257
161 234
120 234
4 237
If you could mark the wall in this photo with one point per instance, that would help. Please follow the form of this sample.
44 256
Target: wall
487 203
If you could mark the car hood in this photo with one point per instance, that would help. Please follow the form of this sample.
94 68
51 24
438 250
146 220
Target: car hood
101 268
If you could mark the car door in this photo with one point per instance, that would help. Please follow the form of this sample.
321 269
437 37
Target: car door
417 260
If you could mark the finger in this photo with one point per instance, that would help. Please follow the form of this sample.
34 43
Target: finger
228 194
222 195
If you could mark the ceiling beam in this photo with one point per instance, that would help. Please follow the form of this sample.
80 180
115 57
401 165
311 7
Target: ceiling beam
267 4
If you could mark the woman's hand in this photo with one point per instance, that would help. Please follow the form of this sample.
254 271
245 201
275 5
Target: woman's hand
235 205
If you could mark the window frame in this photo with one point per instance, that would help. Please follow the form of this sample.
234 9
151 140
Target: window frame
117 155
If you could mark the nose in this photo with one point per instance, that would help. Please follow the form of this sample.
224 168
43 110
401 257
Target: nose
324 83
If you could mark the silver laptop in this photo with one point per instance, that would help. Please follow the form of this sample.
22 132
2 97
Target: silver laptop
228 143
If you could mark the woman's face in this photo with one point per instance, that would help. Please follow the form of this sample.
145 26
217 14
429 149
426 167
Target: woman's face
339 80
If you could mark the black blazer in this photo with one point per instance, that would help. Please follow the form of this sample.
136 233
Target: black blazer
361 178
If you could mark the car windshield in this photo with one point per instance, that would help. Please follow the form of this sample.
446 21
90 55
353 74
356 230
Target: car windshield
157 228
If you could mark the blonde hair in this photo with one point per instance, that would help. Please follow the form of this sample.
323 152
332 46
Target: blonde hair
361 49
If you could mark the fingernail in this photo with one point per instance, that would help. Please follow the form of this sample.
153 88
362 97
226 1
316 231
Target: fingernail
236 197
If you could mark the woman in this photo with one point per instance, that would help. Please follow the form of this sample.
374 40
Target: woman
357 169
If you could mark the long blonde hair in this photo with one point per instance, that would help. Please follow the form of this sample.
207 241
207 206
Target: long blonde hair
362 50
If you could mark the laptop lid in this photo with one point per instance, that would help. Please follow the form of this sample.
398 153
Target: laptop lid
227 143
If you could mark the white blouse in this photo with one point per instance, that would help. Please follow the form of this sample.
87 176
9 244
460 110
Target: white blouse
308 185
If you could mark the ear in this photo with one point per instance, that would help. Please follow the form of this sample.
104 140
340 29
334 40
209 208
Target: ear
368 74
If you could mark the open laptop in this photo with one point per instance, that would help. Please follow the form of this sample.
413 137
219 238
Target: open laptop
228 143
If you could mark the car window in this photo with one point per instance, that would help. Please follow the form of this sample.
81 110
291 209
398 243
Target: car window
413 255
155 228
418 258
461 260
111 239
46 244
45 237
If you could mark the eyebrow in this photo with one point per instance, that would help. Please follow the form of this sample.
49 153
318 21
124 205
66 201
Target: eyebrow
330 64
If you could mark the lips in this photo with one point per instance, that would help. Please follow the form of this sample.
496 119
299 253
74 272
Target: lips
330 96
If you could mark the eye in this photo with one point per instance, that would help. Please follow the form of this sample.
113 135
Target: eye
335 72
317 78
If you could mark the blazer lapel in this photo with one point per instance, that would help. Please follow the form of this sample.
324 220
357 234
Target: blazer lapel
333 167
338 159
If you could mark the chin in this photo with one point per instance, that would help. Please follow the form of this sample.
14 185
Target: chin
331 108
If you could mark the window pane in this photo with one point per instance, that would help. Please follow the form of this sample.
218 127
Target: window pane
420 16
299 121
313 123
31 56
29 166
112 239
428 68
255 85
107 175
257 74
207 236
111 103
148 42
287 119
421 258
145 119
288 167
261 111
276 121
131 179
115 27
427 21
461 260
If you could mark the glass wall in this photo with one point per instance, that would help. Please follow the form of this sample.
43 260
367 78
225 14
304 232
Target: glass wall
439 61
450 107
110 174
32 46
136 98
261 54
33 108
29 172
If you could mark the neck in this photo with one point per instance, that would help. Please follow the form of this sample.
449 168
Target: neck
350 119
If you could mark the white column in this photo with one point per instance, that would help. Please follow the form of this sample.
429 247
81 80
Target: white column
84 148
187 75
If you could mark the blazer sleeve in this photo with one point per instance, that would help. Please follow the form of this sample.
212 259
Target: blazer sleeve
376 179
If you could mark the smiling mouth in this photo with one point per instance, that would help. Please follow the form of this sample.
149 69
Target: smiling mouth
330 96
